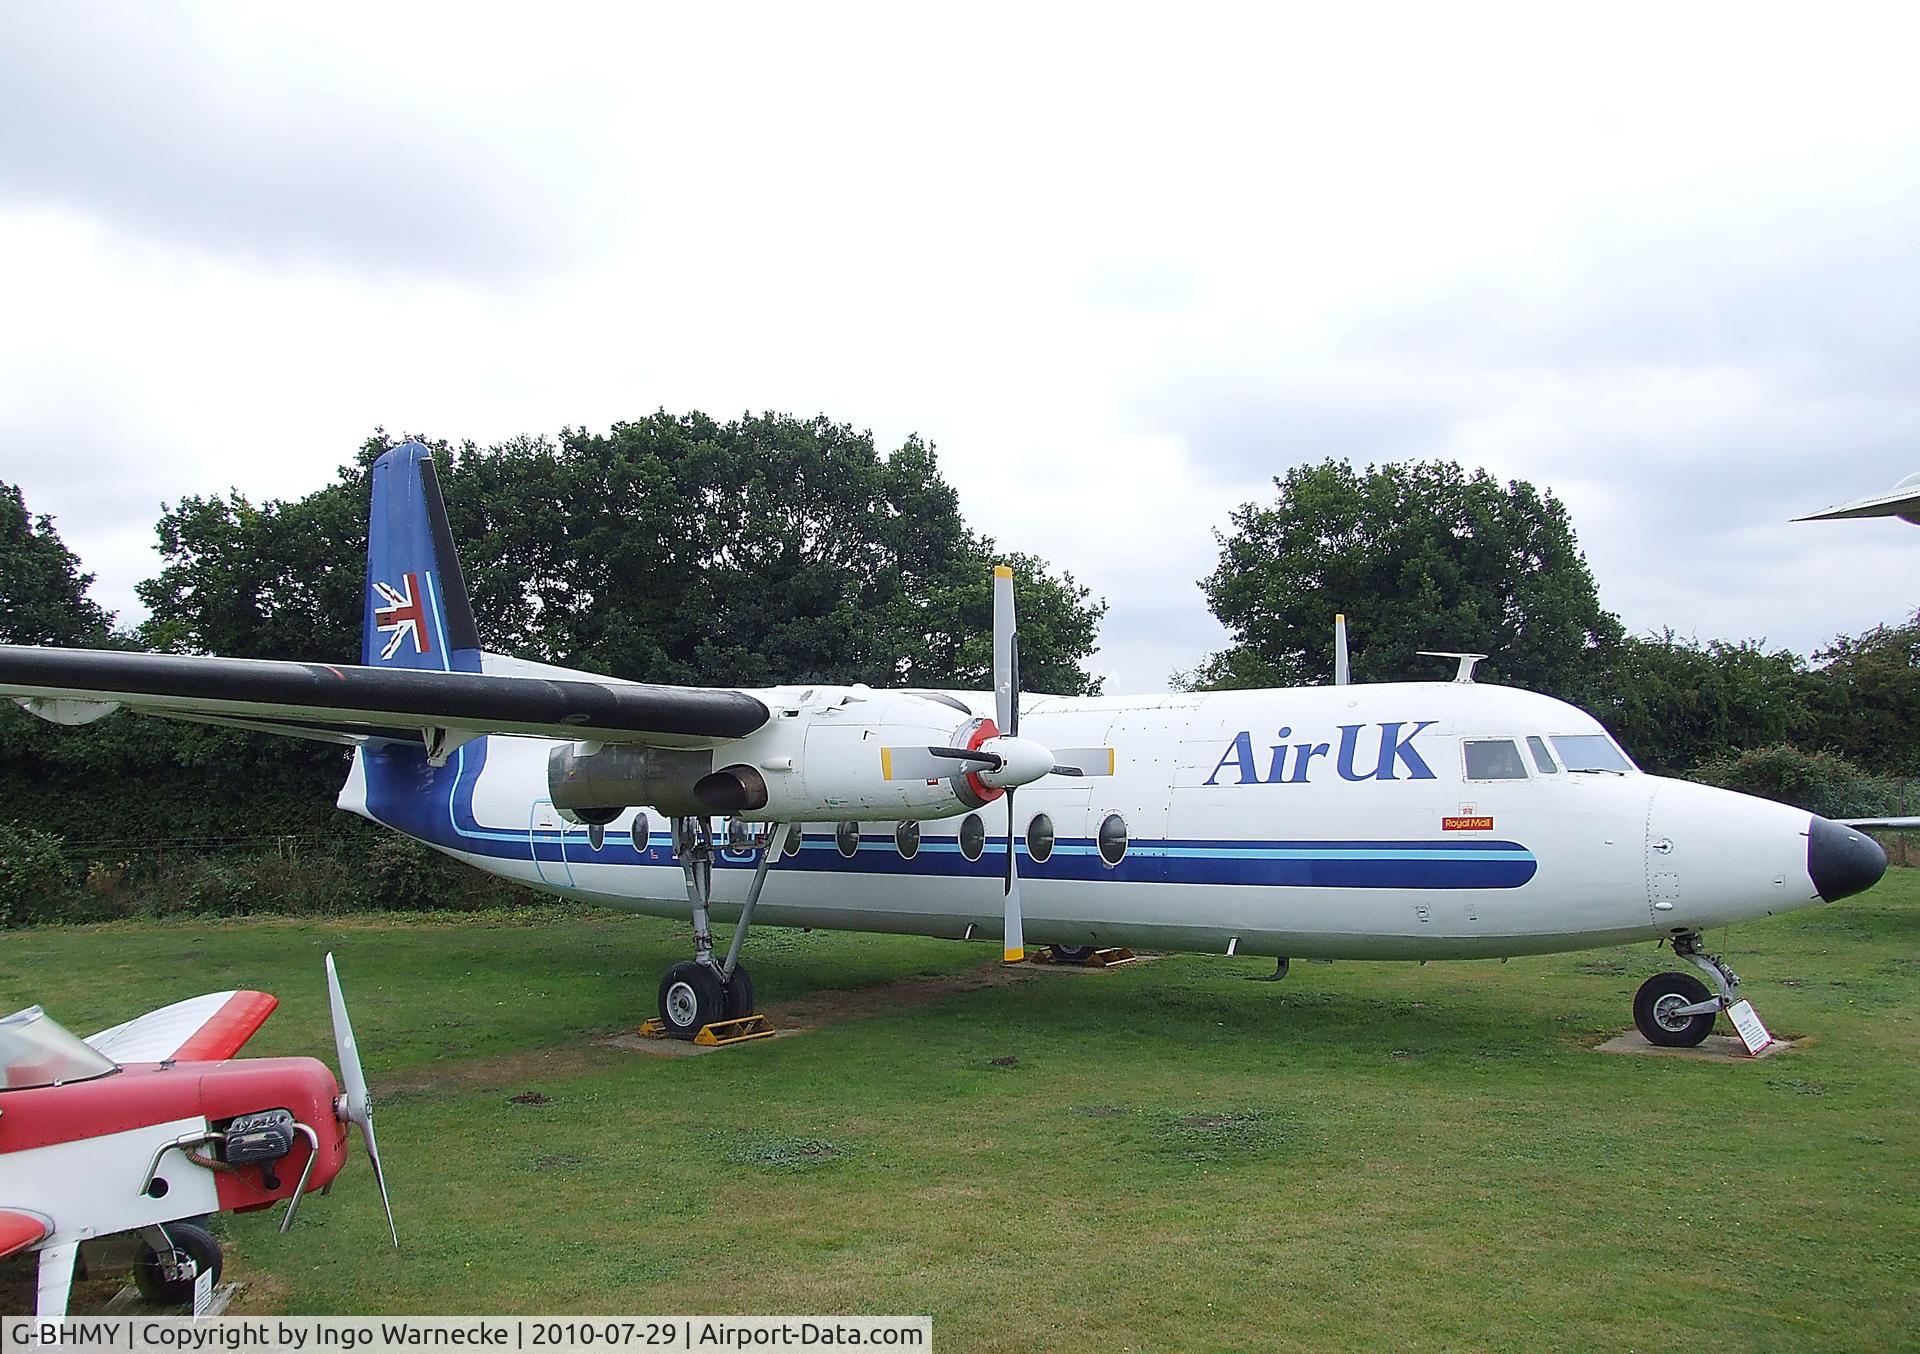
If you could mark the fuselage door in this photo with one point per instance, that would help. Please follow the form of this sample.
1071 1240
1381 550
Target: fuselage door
547 834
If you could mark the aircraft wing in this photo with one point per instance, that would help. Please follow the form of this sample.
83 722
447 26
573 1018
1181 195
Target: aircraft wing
1901 501
351 703
200 1029
20 1228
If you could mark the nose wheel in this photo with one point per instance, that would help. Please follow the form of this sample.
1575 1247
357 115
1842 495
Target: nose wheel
1677 1010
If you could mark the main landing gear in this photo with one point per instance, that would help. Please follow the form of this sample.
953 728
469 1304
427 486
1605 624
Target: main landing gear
703 991
1676 1010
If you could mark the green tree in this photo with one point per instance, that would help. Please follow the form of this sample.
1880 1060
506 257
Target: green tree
43 593
1866 697
1675 704
1418 555
672 549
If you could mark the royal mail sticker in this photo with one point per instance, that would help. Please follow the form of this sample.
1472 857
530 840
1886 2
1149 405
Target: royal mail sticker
1467 823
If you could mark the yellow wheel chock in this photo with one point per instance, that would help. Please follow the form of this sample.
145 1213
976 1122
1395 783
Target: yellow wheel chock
720 1033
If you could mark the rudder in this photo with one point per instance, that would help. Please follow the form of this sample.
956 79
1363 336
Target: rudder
417 613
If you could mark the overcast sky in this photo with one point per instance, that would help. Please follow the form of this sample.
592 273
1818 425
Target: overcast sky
1122 266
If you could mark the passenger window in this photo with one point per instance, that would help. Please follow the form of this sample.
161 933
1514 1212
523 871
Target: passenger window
906 839
1542 759
973 836
640 831
847 838
1494 759
1113 838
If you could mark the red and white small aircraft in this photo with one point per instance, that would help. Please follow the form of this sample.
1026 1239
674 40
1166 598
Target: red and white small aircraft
152 1125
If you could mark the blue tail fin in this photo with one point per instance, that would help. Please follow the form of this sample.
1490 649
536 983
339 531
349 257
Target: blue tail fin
417 612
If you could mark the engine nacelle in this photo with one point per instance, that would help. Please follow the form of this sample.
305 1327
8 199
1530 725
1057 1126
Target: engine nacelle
824 764
815 762
591 783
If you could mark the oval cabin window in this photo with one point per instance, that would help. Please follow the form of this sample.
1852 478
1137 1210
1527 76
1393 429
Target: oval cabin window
973 837
847 838
638 833
1113 839
906 839
1040 837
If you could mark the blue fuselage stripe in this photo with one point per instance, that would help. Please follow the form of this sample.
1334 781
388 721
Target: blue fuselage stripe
435 804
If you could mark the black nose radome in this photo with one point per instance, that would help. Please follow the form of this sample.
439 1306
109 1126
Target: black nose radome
1842 862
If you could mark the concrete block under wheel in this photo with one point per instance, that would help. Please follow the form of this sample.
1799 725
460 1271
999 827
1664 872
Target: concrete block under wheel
1715 1048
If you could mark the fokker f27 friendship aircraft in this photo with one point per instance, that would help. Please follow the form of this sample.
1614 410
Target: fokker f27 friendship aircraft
1425 820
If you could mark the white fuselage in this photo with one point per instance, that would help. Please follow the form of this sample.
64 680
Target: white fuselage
1337 821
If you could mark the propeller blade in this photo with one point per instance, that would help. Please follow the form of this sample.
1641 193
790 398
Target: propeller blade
379 1176
1340 676
1006 684
358 1105
1083 761
353 1080
934 763
1014 948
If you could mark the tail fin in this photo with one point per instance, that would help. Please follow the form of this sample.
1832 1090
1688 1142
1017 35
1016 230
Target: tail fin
417 612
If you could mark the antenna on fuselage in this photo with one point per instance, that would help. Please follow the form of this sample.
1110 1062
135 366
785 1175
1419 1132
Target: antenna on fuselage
1340 673
1467 661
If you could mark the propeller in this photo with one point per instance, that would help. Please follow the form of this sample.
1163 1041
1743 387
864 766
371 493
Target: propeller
355 1105
1003 761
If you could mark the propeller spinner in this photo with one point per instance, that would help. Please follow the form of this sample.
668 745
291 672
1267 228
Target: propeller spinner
355 1104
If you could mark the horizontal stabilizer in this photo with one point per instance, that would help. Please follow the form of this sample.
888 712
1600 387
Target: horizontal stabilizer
363 700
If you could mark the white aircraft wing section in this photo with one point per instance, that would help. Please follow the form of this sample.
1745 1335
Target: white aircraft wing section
1902 501
200 1029
349 702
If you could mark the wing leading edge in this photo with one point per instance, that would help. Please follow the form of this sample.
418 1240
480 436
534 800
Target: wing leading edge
358 701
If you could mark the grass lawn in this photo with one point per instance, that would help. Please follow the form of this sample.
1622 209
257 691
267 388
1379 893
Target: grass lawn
1361 1156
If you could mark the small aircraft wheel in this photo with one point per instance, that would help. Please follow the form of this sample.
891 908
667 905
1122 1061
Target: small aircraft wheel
691 998
1072 954
193 1241
740 997
1659 998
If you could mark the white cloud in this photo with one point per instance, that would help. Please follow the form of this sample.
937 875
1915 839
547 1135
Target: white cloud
1122 266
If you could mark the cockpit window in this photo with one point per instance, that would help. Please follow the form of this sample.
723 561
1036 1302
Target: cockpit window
1542 759
36 1051
1591 752
1494 759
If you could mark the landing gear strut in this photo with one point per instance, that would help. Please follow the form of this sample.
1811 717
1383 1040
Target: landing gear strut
701 991
1676 1010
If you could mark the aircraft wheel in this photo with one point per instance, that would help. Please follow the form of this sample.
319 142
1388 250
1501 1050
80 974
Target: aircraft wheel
740 996
1660 996
189 1239
1072 954
691 997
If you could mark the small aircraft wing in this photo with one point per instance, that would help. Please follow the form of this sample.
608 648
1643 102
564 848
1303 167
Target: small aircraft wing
199 1029
1903 500
21 1228
351 703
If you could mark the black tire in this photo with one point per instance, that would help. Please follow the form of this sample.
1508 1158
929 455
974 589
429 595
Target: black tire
1665 990
191 1240
691 998
740 996
1072 954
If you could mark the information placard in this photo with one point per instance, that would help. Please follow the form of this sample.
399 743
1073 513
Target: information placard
1747 1023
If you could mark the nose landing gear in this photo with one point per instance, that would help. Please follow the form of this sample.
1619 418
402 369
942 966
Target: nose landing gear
1676 1010
702 991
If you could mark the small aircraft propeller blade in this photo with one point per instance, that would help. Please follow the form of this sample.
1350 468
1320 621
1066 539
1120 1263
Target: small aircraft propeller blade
356 1106
934 763
1083 761
1341 675
1014 947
